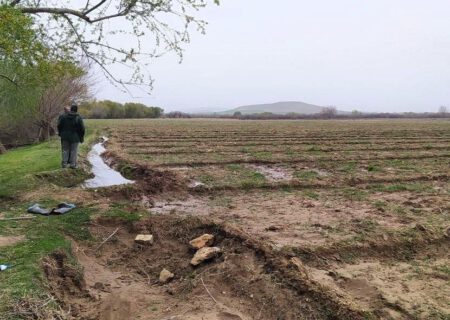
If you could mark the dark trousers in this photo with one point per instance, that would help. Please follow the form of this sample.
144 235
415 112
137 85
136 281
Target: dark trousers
69 154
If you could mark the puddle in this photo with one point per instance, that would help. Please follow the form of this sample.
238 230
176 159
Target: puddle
104 176
190 205
272 173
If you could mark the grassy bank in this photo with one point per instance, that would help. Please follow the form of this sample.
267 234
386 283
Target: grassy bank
32 174
27 168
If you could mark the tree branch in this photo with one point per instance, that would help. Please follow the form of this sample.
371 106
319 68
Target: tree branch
58 11
9 79
81 29
94 7
81 14
14 3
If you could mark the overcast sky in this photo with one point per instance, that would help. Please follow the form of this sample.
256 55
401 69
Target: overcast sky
370 55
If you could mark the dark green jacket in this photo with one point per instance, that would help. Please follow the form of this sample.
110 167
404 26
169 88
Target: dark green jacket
71 127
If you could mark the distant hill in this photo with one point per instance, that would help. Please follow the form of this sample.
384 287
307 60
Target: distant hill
278 108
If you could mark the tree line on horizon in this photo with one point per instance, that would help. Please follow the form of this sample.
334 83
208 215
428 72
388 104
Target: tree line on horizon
330 112
107 109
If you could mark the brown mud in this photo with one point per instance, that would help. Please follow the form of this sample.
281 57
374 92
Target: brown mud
291 249
248 281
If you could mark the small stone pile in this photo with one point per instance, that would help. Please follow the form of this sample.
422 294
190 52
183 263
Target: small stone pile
204 250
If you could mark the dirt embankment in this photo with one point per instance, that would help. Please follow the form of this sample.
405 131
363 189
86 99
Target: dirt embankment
249 280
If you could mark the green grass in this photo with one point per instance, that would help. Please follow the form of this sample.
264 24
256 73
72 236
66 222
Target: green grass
18 166
119 210
414 187
373 168
26 168
348 167
306 174
23 170
43 236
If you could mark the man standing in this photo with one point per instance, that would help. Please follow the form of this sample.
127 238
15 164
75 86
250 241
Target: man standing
71 130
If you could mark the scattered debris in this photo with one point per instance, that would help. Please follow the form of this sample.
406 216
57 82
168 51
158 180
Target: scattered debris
197 185
35 208
209 293
165 276
109 237
61 208
144 239
205 240
3 267
204 254
298 264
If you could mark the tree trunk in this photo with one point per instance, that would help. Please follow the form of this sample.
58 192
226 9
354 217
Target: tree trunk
2 148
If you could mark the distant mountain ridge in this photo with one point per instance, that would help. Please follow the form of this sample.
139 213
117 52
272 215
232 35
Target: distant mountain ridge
283 107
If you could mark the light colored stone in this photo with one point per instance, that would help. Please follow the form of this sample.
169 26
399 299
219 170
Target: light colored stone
144 239
205 240
165 276
204 254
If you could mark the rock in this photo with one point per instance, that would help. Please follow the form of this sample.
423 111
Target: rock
144 239
205 253
205 240
165 276
298 264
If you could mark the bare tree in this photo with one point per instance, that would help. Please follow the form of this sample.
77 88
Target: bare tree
443 110
81 32
329 112
68 89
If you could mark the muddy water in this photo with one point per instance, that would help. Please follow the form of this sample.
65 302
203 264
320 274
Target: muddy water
104 176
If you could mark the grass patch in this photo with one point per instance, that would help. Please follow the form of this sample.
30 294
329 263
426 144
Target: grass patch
306 174
354 194
44 235
23 170
18 166
348 167
373 168
311 194
26 168
119 211
414 187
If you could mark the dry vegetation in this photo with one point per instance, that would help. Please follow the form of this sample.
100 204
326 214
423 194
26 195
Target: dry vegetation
363 204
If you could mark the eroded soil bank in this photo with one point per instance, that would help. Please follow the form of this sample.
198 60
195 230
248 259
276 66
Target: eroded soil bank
119 280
